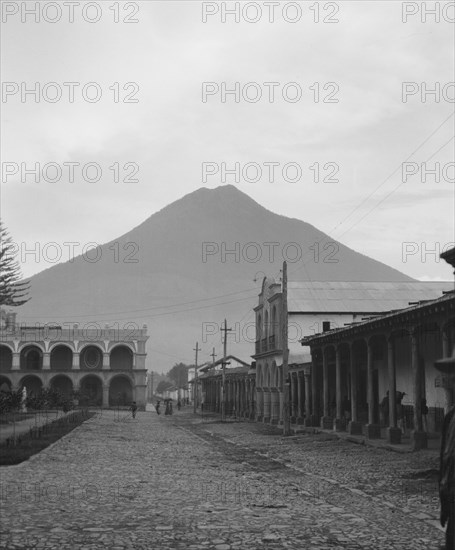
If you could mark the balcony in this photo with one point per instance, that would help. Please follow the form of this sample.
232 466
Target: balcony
272 343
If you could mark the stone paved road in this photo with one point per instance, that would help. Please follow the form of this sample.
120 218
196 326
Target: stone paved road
171 482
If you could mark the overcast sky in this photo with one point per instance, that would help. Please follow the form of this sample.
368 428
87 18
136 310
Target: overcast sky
170 132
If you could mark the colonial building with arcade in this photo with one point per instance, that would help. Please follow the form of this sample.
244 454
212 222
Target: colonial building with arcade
105 366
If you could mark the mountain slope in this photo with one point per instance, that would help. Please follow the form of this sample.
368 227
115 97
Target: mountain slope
160 263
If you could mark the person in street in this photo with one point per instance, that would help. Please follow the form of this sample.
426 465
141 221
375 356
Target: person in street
447 460
133 409
400 413
179 405
170 407
166 410
158 407
385 409
424 409
346 406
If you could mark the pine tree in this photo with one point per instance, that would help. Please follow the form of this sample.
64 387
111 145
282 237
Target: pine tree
13 290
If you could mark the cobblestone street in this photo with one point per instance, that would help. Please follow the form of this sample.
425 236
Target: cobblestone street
175 482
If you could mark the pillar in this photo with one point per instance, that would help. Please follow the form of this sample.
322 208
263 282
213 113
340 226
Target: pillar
354 426
373 431
274 406
300 411
106 365
418 436
314 392
393 433
76 361
259 405
446 353
326 420
16 361
292 412
105 395
339 422
307 377
266 416
46 360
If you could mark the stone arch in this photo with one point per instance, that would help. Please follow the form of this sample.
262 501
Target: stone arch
5 384
120 391
32 383
31 358
91 357
61 357
91 391
6 358
121 358
62 384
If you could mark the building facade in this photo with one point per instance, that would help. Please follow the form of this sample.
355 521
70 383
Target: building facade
354 368
312 308
106 367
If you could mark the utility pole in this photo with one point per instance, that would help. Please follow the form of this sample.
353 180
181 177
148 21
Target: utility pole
151 386
286 385
223 383
213 355
195 383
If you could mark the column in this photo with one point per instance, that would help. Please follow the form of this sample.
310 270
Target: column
16 361
266 417
393 433
307 377
314 392
354 426
106 395
292 407
339 423
373 430
105 361
46 360
446 353
76 361
300 412
259 405
326 420
418 436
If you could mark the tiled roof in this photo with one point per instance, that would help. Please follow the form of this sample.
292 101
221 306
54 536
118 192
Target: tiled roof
360 297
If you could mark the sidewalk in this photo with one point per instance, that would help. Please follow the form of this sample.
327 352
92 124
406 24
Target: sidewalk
40 418
434 440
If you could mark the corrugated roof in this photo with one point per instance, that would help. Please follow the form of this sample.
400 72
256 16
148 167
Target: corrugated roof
363 297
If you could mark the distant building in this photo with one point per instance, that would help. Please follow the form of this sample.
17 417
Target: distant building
240 387
106 366
315 307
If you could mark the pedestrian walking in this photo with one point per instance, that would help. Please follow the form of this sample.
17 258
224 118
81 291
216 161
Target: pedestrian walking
424 411
447 460
384 407
346 406
158 407
133 409
179 405
400 413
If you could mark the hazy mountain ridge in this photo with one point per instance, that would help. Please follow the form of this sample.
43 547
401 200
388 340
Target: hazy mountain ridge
169 269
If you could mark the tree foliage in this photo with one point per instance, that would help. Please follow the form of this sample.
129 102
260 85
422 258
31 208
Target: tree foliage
179 375
163 386
13 290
